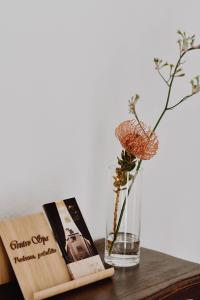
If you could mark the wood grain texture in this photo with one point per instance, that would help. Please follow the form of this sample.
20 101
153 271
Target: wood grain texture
158 277
39 273
73 284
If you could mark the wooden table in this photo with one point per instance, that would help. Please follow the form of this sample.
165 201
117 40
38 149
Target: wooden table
159 276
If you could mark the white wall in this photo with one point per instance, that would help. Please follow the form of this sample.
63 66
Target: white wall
67 69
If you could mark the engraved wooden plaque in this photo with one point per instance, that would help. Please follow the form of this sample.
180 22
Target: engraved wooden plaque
33 253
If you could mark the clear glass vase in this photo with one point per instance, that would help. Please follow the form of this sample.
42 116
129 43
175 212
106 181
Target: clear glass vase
122 242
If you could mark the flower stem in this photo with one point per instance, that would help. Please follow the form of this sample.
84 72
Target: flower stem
116 210
118 226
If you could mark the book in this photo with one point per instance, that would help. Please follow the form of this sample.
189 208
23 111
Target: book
73 238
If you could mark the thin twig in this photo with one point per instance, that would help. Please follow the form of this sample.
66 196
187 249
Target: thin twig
161 75
138 120
182 100
116 210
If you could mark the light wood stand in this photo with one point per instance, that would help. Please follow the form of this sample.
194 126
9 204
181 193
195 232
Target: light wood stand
29 246
73 284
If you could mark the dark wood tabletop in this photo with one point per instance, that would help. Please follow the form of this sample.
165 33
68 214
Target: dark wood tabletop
159 276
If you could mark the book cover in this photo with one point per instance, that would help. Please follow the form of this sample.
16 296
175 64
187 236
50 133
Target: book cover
73 237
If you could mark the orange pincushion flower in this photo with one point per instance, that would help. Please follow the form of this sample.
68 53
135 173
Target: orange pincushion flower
137 139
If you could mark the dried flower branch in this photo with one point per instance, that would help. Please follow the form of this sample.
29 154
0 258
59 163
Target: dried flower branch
186 42
132 104
159 65
134 136
126 163
195 89
132 110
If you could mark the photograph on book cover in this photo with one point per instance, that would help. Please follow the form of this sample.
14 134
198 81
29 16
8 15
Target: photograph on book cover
73 238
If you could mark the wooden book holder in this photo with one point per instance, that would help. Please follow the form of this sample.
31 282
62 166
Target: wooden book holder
40 269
